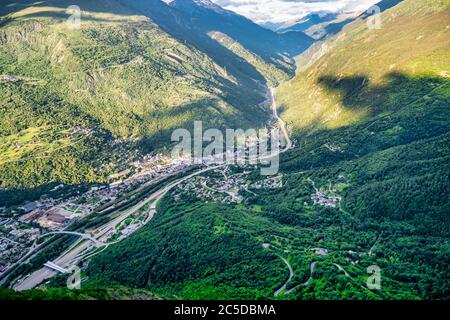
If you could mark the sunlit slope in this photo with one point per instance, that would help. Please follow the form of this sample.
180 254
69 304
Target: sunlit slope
120 67
376 106
358 73
373 135
118 76
372 108
247 51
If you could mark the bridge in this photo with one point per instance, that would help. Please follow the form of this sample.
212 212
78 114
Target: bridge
55 267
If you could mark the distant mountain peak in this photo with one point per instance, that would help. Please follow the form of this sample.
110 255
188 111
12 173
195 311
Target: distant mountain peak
207 4
191 5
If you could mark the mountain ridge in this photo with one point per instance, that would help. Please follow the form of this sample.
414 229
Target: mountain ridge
366 185
131 78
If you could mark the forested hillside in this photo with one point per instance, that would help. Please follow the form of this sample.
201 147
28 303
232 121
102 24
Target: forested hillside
370 116
67 94
229 39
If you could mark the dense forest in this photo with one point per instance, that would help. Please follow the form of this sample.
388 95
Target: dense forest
66 95
365 188
377 134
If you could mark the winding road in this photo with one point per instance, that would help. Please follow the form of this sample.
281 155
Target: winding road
291 275
83 247
306 283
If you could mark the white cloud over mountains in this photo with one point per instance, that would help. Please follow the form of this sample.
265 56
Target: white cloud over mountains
282 11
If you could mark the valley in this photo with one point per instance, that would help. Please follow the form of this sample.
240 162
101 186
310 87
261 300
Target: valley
94 241
87 179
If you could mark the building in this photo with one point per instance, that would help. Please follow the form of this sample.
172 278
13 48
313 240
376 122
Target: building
32 216
320 251
56 218
30 206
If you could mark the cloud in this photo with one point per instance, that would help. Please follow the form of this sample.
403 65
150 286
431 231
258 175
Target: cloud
282 11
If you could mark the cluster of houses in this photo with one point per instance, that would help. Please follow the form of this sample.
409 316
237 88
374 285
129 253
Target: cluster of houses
15 238
18 233
327 198
147 169
56 214
51 213
9 252
320 251
226 189
230 186
333 147
196 187
322 199
219 190
159 165
269 183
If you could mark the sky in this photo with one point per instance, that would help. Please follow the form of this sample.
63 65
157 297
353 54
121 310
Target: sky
282 11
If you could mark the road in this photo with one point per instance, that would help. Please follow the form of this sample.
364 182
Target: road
375 245
291 275
281 122
341 268
84 246
82 235
306 283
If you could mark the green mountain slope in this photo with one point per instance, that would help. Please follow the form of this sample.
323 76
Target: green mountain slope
210 17
374 108
230 39
370 116
353 73
67 93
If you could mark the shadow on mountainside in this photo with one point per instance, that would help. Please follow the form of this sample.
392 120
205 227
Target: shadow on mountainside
402 110
394 188
51 169
396 91
193 26
395 161
185 28
175 23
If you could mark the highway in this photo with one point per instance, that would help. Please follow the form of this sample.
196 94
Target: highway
99 237
84 246
82 235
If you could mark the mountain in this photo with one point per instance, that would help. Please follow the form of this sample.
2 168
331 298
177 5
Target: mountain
374 56
243 30
375 116
364 189
358 211
309 21
227 37
320 25
133 72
